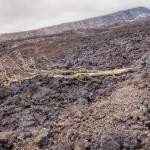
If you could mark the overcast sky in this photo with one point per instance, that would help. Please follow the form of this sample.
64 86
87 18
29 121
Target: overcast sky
20 15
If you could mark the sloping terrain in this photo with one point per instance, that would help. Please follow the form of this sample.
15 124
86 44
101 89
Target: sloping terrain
109 112
109 48
120 17
63 105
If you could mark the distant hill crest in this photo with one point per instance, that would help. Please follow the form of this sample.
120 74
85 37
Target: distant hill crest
119 17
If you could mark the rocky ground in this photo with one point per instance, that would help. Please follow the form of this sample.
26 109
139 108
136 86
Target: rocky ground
108 112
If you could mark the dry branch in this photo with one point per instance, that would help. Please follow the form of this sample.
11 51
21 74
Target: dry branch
90 73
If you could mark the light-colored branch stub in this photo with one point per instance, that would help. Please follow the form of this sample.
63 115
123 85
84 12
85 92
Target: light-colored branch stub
90 73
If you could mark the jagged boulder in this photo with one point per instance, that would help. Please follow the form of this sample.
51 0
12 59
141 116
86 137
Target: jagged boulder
4 92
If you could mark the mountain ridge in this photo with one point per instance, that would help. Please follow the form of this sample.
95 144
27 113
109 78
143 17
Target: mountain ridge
120 17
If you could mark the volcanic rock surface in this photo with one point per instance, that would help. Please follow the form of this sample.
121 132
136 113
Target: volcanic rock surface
50 112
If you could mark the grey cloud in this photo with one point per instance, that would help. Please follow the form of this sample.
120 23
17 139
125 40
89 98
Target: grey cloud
17 15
